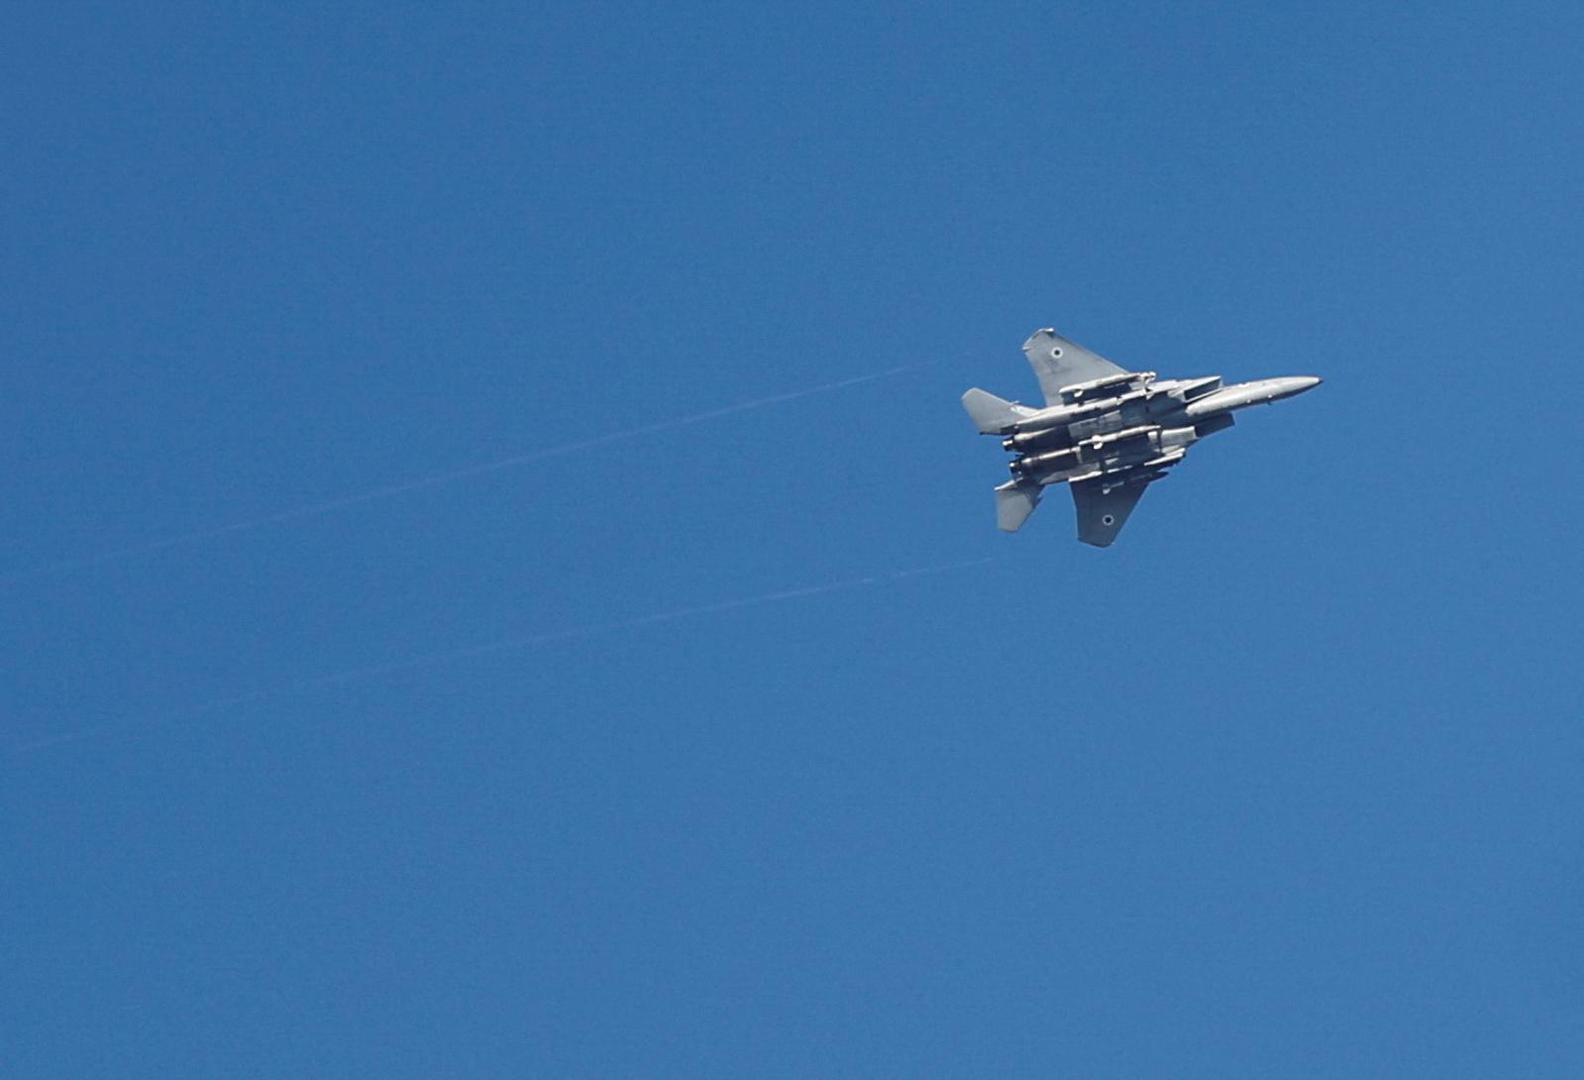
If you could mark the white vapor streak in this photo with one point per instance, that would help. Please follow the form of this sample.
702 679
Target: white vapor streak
528 641
388 491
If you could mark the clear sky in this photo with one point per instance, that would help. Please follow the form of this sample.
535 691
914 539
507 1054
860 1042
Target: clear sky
1287 783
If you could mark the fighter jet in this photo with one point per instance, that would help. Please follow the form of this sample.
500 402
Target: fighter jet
1106 432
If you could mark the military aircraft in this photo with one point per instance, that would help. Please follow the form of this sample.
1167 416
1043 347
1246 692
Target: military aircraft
1106 432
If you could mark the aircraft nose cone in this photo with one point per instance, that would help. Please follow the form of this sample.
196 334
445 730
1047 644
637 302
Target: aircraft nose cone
1294 384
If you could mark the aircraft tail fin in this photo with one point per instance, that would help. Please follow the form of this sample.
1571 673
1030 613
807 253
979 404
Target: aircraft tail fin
1015 501
992 415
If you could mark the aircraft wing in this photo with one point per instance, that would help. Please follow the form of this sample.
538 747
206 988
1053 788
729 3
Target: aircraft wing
1058 362
1101 517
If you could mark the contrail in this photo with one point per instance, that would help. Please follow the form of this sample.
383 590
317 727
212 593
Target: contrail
528 641
389 491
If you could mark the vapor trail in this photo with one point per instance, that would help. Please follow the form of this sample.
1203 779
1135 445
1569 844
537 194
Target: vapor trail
527 641
405 487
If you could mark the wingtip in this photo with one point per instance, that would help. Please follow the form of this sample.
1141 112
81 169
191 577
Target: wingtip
1039 338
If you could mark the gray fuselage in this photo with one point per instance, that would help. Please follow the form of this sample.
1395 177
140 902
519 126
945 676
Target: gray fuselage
1131 425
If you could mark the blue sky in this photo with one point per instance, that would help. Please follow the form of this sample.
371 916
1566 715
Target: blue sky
1285 783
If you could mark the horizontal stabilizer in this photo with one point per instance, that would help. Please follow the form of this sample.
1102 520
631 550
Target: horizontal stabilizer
992 415
1015 501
